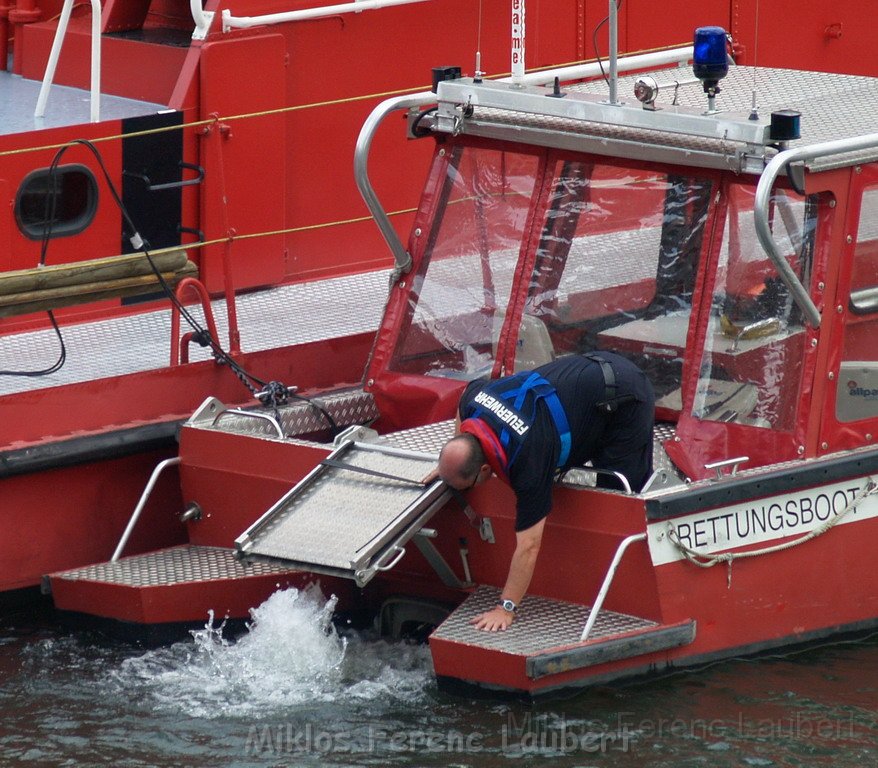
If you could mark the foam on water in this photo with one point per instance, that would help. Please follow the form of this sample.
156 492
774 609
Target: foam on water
291 656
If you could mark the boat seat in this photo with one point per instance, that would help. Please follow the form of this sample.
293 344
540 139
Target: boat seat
62 285
534 347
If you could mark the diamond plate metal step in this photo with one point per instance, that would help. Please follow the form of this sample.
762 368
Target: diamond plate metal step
343 522
166 567
546 635
178 584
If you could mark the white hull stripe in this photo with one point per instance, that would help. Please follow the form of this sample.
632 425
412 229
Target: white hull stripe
760 521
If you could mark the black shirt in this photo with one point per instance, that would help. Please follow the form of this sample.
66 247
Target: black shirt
579 383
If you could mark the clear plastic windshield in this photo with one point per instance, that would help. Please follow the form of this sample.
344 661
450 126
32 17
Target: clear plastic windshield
462 289
751 370
611 253
616 265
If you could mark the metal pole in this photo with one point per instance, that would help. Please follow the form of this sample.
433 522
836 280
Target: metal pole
95 61
144 497
55 54
49 74
517 43
614 52
243 22
625 64
608 580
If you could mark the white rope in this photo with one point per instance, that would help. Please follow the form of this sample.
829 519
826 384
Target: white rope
703 560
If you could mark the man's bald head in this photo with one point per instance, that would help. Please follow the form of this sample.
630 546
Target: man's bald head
461 462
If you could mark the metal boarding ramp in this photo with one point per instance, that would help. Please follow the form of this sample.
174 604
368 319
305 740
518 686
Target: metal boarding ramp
351 516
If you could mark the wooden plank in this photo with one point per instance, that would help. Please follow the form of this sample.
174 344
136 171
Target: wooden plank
91 271
54 298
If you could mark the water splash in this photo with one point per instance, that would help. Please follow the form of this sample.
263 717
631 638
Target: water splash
291 656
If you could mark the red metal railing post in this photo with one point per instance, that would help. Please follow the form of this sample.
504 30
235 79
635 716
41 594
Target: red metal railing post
179 356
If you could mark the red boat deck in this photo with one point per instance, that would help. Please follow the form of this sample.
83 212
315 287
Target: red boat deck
300 313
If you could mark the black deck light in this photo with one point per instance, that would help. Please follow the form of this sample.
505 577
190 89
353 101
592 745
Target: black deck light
709 60
785 125
441 74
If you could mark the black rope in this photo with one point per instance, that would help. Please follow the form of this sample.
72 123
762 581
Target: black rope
272 394
374 473
49 212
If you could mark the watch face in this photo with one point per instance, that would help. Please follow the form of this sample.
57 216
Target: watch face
508 605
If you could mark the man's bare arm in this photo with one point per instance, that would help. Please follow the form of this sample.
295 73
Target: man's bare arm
521 569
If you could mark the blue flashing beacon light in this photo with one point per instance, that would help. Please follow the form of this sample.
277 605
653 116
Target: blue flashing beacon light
709 62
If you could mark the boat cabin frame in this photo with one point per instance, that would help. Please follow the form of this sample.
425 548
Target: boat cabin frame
558 231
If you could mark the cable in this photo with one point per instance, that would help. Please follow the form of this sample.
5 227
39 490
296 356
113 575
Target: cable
58 364
272 394
594 41
48 219
416 130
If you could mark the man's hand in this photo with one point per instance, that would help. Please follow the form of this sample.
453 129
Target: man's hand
497 619
431 476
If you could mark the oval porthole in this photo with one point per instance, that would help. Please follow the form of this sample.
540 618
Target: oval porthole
70 189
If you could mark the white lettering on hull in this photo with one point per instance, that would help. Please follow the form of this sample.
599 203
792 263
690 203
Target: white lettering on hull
759 521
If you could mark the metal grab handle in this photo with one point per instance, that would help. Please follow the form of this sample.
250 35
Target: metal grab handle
144 497
608 580
626 486
180 351
252 415
379 566
718 466
199 171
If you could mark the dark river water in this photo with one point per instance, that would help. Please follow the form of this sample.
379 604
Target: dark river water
290 692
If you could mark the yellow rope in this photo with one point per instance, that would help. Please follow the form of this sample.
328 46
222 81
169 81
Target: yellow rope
292 108
274 232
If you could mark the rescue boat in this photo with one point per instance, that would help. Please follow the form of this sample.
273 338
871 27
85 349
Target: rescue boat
715 227
163 161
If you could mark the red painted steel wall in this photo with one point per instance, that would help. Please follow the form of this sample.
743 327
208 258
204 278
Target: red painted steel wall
827 37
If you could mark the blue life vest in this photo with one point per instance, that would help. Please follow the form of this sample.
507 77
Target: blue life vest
509 405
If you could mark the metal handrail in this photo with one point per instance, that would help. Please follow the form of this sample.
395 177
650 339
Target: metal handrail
361 172
763 198
201 18
144 497
424 98
250 415
244 22
608 580
55 54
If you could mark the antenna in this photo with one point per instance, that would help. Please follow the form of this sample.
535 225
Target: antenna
754 112
477 77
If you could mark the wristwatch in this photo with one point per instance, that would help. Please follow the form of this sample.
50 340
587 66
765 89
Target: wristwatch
508 605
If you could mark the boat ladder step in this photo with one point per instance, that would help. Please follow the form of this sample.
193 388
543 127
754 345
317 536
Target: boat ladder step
179 583
544 639
351 516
